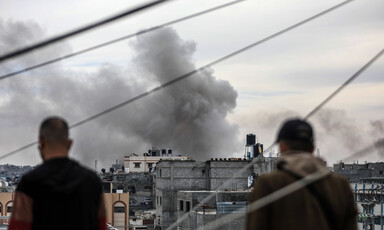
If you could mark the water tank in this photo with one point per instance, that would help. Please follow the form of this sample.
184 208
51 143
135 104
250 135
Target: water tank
250 151
258 149
251 139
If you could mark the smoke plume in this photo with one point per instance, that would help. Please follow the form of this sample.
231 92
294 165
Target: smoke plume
189 117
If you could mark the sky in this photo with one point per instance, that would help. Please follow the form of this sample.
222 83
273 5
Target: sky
209 114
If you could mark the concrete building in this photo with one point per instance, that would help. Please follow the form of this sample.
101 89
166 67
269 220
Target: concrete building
224 203
140 187
369 198
147 162
190 175
356 172
117 206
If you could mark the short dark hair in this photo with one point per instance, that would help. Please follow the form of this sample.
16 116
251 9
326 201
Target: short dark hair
54 130
299 145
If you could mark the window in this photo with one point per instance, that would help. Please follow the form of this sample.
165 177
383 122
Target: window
118 209
187 206
160 201
137 165
160 173
181 205
150 165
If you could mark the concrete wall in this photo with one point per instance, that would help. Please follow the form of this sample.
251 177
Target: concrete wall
207 211
144 161
175 175
355 172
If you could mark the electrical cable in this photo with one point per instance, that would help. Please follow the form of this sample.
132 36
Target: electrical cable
182 77
27 69
80 30
353 77
241 171
311 178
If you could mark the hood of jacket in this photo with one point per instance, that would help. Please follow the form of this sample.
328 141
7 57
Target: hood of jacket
300 163
60 175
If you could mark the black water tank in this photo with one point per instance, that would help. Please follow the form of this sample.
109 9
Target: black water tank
251 139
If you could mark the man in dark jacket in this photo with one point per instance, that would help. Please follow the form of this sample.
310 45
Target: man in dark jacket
326 204
59 194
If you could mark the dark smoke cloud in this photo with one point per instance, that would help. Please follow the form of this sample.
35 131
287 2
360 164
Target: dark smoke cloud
189 117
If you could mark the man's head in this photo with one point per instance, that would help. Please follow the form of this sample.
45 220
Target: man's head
53 138
295 135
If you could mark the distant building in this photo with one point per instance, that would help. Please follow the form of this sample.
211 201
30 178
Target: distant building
139 185
225 202
148 161
369 200
117 206
356 172
173 176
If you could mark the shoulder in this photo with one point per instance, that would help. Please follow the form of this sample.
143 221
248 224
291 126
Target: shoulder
339 181
276 177
83 170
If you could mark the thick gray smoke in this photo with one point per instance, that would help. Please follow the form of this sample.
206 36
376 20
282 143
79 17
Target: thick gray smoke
189 117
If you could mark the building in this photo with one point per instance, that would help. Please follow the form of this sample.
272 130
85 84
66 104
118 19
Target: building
355 172
369 200
117 206
173 176
148 161
140 187
224 202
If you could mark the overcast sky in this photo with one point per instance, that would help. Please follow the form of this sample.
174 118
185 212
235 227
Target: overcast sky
209 114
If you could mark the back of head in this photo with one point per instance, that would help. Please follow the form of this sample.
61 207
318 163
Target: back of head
297 135
54 131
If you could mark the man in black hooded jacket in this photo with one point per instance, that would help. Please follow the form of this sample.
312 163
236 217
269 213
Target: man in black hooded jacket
59 194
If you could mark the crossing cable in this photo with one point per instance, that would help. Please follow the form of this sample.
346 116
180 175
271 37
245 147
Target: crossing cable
27 69
189 74
353 77
278 194
243 170
80 30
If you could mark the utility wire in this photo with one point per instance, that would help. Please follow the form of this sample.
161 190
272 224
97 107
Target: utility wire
80 30
185 76
241 171
27 69
353 77
278 194
309 179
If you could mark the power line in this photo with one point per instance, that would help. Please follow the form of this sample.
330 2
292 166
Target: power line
80 30
185 76
241 171
278 194
353 77
309 179
27 69
379 144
